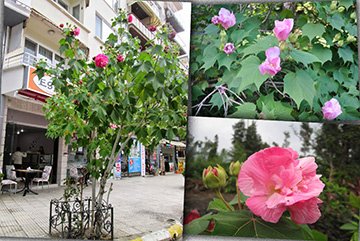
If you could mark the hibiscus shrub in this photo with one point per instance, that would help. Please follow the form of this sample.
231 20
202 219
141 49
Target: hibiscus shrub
286 61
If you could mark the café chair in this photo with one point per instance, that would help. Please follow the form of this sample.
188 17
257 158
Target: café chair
44 178
11 174
7 182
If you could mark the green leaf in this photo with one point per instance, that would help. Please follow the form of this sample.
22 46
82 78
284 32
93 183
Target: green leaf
243 198
349 226
354 201
323 54
261 45
210 57
319 236
244 224
303 57
239 35
217 100
327 84
246 110
198 225
212 29
275 110
300 86
312 30
346 4
250 73
225 59
346 54
286 13
218 205
336 21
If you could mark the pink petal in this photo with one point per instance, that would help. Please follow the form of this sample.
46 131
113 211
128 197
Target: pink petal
262 68
258 206
272 53
308 166
305 211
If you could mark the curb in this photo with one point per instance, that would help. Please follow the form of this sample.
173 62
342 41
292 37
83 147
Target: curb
172 233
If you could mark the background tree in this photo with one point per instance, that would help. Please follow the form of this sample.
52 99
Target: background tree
126 92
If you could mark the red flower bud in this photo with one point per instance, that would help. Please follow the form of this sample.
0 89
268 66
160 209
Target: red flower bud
61 25
80 82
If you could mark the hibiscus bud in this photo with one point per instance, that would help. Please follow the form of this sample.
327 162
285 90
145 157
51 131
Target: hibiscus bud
263 116
80 82
350 38
341 43
61 25
214 178
293 37
283 46
333 5
222 33
76 102
337 37
353 15
341 9
221 47
234 168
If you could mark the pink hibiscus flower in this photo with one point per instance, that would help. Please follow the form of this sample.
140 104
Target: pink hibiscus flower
101 60
283 28
331 109
275 180
272 63
226 19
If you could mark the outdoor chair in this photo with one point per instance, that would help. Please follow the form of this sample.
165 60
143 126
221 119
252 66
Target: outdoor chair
7 182
44 178
10 174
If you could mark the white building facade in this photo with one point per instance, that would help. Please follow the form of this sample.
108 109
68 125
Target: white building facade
31 32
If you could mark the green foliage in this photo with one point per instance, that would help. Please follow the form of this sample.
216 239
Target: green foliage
324 37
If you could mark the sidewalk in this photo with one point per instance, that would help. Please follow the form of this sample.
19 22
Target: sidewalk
142 205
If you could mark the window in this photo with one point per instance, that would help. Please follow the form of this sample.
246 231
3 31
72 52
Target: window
63 4
35 52
76 12
45 54
102 29
98 26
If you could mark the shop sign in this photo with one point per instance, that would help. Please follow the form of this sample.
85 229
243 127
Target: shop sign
134 160
42 86
142 160
118 167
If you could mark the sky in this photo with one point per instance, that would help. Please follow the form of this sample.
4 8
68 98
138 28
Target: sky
270 131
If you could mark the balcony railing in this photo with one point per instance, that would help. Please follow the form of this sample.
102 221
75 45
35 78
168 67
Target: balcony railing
22 59
143 29
22 4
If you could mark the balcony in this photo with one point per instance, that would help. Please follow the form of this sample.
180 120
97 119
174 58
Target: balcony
138 29
16 11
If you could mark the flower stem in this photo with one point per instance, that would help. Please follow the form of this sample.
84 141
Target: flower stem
238 194
222 198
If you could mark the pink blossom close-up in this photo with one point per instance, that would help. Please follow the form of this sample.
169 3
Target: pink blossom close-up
76 32
283 28
226 19
331 109
120 58
101 60
276 181
130 19
229 48
272 63
215 20
152 28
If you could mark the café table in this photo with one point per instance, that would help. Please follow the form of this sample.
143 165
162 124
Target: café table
28 175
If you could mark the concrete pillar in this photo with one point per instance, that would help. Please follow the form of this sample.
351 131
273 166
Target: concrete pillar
62 162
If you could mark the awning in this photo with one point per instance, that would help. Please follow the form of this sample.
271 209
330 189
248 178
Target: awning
174 143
